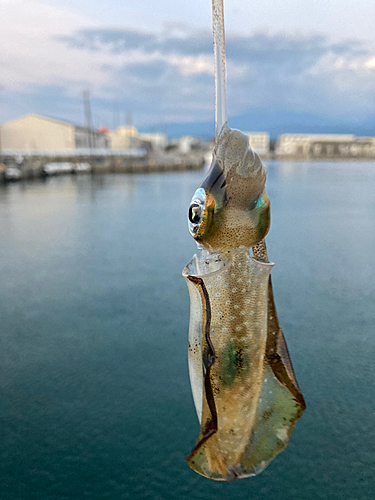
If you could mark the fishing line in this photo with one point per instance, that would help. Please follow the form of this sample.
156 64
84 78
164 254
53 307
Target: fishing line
220 66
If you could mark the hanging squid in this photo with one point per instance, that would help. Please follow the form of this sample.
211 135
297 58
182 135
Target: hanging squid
244 389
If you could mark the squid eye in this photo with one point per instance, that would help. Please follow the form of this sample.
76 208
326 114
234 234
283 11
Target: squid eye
195 213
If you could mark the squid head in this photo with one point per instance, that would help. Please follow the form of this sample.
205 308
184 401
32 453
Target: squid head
231 207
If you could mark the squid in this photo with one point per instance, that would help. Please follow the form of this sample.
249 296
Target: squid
244 388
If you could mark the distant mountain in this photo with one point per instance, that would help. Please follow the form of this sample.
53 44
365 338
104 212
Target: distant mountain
280 122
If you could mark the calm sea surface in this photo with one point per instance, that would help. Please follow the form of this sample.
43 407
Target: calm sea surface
95 399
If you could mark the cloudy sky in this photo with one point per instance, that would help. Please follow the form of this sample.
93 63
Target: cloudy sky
313 58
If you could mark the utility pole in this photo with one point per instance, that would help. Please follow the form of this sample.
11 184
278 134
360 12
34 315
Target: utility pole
88 117
116 114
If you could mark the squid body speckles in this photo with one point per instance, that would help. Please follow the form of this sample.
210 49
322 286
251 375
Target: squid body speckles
244 389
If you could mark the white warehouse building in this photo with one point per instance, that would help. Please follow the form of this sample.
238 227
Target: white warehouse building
259 142
300 145
39 132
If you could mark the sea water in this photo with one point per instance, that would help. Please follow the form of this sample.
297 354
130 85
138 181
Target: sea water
95 399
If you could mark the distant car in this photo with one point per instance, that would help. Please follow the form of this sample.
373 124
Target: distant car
12 174
58 168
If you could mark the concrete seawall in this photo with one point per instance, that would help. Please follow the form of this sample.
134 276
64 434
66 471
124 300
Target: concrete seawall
34 165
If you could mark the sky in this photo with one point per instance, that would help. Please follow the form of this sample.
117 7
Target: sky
296 63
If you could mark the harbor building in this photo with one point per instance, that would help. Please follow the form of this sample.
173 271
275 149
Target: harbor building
128 137
124 137
37 132
259 142
187 143
156 141
324 146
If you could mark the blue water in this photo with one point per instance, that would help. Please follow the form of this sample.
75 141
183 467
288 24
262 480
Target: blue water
95 397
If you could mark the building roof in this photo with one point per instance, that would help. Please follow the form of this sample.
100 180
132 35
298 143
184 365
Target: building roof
48 118
42 117
317 136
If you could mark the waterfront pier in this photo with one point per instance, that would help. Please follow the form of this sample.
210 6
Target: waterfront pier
15 165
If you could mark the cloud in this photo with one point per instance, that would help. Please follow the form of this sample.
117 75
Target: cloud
307 73
48 56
